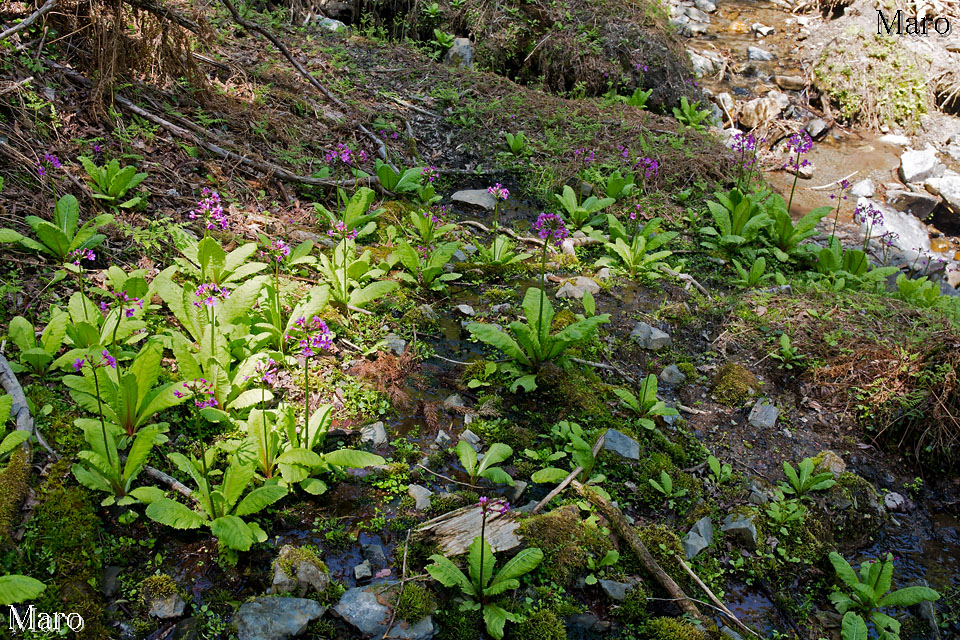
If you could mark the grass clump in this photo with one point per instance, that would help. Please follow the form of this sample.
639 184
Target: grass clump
542 624
566 543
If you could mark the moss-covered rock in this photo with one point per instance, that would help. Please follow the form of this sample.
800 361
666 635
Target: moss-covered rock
857 512
542 624
733 384
566 543
416 603
158 587
14 483
671 629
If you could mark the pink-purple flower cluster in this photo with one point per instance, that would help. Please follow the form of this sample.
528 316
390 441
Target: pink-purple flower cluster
48 159
888 238
430 173
499 192
340 230
649 167
266 371
499 505
77 255
202 392
312 336
208 294
437 214
210 210
800 143
106 360
743 142
636 213
844 185
278 251
342 154
624 153
583 155
550 227
866 213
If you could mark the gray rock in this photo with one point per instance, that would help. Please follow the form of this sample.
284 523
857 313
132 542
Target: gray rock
443 439
894 139
707 6
947 187
363 571
578 288
698 538
863 188
622 445
420 495
817 128
918 165
373 435
461 53
917 203
108 584
500 308
763 415
458 256
726 102
374 554
672 376
790 83
758 495
650 337
428 313
303 573
395 344
762 30
475 198
894 501
453 401
276 618
741 529
729 633
333 25
470 437
187 629
616 590
166 608
518 489
466 309
761 55
361 608
696 15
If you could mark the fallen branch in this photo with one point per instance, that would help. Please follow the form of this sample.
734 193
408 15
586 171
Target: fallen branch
170 481
685 277
695 412
448 479
29 20
413 106
167 13
20 409
254 27
570 478
647 561
14 86
503 230
608 367
722 607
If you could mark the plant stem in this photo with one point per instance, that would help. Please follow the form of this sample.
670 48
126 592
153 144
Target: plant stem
543 268
267 462
483 527
496 227
103 425
306 402
796 175
203 465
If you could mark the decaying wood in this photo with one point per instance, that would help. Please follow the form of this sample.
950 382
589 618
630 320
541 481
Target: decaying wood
20 410
722 607
170 481
455 531
685 277
570 478
503 230
628 535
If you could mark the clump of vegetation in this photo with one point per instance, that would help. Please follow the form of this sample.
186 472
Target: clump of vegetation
567 543
416 603
672 629
294 556
542 624
158 587
733 384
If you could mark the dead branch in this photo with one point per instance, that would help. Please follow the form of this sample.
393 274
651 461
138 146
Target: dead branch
722 607
570 478
685 277
29 20
403 583
609 367
14 86
20 410
170 481
626 532
252 26
166 13
503 230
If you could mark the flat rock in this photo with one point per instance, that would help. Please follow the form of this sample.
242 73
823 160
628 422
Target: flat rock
363 571
443 439
373 435
649 337
578 288
707 6
475 198
761 55
759 110
466 309
108 584
762 30
333 25
455 531
790 83
817 128
672 376
741 529
420 495
763 415
622 445
947 187
894 501
917 203
374 554
369 611
830 461
698 538
166 608
894 139
453 402
517 490
918 165
395 344
276 618
616 590
303 573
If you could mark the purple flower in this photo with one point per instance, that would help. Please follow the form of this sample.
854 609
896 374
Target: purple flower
202 392
178 394
210 210
108 360
550 227
312 336
800 143
649 166
78 364
430 173
499 192
868 214
52 160
41 170
209 294
267 371
278 251
77 255
340 229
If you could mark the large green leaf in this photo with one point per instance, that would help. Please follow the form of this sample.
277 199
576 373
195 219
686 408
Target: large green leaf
236 479
909 596
259 499
853 627
374 290
522 563
56 243
549 475
66 215
15 588
468 457
497 339
21 333
449 575
495 617
232 532
478 549
52 337
12 440
92 480
353 459
139 452
173 514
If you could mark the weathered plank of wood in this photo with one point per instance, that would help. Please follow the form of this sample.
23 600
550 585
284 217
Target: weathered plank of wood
455 531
